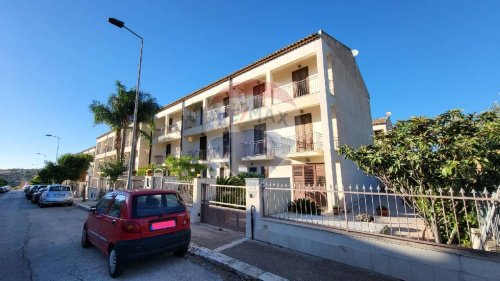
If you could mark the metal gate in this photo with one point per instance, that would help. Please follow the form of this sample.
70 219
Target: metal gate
224 206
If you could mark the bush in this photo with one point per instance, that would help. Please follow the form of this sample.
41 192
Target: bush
230 181
304 206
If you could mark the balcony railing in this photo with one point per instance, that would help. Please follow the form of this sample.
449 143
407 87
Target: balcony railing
297 89
218 152
258 148
192 119
217 117
248 104
301 143
198 154
167 133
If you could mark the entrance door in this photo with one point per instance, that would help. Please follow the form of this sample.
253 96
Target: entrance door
203 148
300 83
304 133
258 95
259 137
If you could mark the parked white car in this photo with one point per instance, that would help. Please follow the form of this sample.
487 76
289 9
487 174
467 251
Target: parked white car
4 189
56 194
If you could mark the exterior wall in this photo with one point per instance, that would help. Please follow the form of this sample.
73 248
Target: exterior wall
351 115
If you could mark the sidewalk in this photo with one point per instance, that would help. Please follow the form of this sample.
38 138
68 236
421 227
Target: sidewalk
255 260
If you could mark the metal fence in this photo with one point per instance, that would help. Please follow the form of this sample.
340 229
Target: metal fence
185 190
447 217
226 195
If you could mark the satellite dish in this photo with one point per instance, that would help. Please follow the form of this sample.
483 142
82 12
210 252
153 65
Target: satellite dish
355 52
388 114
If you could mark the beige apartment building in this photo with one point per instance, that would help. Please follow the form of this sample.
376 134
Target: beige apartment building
284 116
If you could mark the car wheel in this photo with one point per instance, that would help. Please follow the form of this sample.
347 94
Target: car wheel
85 239
182 251
115 264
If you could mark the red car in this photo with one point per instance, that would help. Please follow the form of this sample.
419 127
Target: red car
125 225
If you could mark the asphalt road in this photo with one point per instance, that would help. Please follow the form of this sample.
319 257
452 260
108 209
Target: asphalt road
44 244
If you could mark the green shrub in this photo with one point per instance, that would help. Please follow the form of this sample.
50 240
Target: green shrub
304 206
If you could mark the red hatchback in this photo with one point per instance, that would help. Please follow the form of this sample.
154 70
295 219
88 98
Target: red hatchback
129 224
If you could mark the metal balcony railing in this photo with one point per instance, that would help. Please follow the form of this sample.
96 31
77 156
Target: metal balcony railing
248 104
192 119
297 89
301 143
218 152
258 148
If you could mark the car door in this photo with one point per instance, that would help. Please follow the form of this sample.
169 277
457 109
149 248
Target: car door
94 221
111 221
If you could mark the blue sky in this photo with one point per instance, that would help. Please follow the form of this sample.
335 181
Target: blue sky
416 57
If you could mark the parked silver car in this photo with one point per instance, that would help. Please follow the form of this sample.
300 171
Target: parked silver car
4 189
56 194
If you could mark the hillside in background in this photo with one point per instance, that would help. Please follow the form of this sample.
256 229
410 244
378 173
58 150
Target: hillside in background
16 176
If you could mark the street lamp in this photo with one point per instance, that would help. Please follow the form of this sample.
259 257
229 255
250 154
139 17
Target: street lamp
58 139
131 165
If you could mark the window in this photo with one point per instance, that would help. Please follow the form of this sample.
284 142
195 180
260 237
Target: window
252 170
222 172
103 205
59 188
116 206
156 204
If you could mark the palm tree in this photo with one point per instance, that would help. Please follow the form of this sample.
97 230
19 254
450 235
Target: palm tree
118 112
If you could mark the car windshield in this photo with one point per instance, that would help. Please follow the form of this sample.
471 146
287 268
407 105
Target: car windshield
156 204
59 188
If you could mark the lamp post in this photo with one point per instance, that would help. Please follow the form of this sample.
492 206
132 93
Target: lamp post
121 24
58 139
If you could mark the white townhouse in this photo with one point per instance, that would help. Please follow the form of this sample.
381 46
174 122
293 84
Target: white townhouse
284 116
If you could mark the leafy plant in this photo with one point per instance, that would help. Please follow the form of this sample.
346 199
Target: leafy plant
304 206
112 170
232 180
185 167
144 170
422 156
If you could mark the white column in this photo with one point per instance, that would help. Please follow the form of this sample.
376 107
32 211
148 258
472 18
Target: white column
254 204
326 102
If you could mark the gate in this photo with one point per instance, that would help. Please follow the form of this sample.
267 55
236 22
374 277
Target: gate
224 206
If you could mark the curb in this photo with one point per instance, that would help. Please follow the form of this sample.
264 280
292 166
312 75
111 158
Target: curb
81 205
241 268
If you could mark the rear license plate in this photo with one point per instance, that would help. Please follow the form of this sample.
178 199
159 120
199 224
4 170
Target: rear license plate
162 225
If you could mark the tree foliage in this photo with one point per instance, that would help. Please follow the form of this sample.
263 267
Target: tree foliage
68 167
112 170
422 155
184 167
3 182
118 112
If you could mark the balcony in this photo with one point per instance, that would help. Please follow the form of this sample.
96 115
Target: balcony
302 146
217 118
193 122
257 150
218 154
297 89
170 133
198 154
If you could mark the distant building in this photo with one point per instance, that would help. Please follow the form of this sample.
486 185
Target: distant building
382 125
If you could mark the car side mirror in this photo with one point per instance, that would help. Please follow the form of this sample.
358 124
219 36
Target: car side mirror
93 209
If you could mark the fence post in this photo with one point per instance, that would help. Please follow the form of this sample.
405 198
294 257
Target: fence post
196 208
254 197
